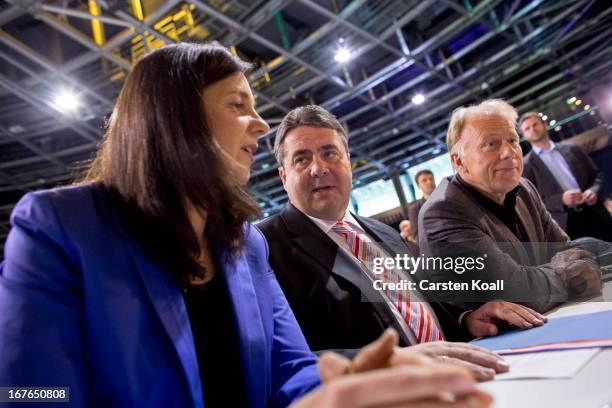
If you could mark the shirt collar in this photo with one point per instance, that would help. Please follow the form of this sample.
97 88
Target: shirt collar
509 201
326 225
539 150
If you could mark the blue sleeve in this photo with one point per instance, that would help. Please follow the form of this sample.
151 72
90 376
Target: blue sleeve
294 368
41 319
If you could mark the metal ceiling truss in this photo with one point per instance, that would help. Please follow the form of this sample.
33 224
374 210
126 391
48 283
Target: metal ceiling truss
531 53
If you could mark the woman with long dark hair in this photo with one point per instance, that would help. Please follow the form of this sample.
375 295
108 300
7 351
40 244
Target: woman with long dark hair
144 284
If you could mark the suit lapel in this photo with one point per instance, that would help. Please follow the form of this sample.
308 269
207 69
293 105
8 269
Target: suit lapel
320 247
306 235
542 170
168 302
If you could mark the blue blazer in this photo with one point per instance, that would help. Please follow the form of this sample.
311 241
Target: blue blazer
83 306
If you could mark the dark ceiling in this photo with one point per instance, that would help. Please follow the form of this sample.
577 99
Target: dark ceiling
534 54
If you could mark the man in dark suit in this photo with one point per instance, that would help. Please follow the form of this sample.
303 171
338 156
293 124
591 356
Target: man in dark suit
568 181
317 251
425 181
487 209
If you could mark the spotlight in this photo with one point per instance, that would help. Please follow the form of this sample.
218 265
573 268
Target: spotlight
587 107
418 99
545 117
578 102
571 100
540 114
552 122
342 55
558 128
66 101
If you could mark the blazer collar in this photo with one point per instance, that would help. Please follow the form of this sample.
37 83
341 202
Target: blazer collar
168 302
507 235
248 319
320 247
542 168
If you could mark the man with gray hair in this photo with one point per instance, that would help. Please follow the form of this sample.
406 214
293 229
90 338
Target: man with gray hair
488 211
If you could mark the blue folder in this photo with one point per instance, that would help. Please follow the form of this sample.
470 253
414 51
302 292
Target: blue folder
589 326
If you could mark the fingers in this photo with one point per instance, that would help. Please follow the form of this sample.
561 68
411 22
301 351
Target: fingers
409 356
480 328
376 354
479 372
332 365
482 358
527 315
403 384
477 399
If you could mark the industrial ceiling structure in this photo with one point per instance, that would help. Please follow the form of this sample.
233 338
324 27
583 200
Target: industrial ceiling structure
391 70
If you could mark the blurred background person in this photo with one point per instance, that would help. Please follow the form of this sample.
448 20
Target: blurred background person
568 182
425 181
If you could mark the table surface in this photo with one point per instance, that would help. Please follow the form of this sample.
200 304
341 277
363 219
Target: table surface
591 387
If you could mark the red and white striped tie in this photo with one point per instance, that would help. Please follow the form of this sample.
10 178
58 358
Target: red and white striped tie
415 314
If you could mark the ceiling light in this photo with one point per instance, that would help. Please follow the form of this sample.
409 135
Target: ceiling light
552 122
418 99
342 55
540 114
578 102
558 128
571 100
587 107
66 101
545 117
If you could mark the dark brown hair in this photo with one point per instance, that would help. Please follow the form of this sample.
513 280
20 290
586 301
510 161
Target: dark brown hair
528 115
158 153
420 173
309 115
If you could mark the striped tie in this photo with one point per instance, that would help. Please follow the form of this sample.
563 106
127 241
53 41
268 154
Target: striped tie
415 314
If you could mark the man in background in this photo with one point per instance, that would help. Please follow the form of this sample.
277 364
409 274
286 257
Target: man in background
568 182
425 181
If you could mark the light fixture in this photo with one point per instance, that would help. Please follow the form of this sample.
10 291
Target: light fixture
587 107
571 100
418 99
558 128
436 150
578 102
540 114
66 101
342 55
545 117
552 122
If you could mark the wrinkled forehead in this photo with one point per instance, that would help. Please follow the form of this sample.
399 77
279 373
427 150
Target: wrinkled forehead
312 138
487 123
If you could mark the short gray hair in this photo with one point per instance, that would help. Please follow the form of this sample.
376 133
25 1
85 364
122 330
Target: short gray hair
309 115
487 107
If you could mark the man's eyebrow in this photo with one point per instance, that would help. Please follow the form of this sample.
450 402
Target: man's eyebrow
328 147
300 152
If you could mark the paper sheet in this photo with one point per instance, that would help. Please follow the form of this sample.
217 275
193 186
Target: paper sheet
592 330
550 364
